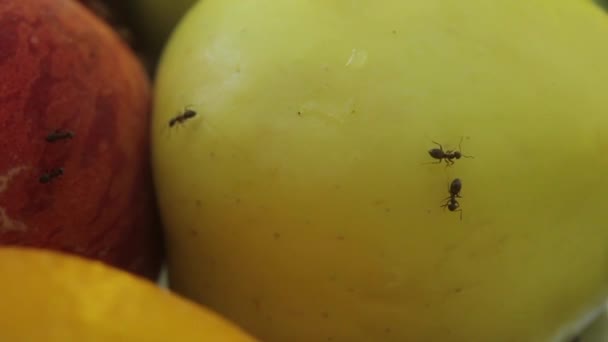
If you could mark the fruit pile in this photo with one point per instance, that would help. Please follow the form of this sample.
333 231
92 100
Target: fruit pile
303 171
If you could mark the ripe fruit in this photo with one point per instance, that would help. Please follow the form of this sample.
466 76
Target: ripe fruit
595 332
62 70
301 201
153 21
55 297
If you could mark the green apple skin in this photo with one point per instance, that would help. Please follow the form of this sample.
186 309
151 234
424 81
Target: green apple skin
301 200
154 20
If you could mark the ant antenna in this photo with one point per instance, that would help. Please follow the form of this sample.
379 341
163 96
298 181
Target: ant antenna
460 149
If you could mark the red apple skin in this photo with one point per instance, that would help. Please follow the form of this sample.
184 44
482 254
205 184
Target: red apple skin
62 68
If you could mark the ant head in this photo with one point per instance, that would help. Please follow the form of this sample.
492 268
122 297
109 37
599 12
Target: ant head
189 113
453 206
457 154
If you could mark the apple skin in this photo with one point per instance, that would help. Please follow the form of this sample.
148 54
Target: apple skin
153 21
597 331
301 202
62 68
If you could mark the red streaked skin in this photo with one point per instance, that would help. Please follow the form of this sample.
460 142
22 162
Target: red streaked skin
62 68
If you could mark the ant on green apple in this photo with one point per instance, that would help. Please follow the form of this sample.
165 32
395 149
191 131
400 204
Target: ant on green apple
182 117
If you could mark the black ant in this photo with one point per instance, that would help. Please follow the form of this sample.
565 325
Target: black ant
179 119
454 189
447 155
59 135
49 176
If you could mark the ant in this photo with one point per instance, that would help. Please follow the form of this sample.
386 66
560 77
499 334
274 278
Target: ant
454 189
49 176
447 155
59 135
179 119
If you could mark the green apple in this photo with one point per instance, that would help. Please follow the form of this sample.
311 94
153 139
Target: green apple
153 21
302 202
597 331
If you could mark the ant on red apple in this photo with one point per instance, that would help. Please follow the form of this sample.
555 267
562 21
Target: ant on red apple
59 134
47 177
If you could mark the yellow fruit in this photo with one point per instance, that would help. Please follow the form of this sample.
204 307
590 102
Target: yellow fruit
52 297
597 331
300 201
154 20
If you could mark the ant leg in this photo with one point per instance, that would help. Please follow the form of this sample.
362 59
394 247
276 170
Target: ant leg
460 149
446 202
445 199
438 162
438 144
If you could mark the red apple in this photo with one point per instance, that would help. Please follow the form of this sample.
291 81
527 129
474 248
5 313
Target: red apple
61 68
